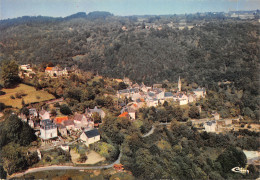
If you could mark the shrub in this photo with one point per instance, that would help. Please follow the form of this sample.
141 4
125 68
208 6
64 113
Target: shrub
20 94
56 104
2 93
48 159
82 158
12 97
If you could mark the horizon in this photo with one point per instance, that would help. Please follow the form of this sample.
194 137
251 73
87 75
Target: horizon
62 8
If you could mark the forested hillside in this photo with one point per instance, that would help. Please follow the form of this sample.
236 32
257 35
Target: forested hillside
216 49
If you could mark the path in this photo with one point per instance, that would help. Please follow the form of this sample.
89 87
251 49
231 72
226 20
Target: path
48 168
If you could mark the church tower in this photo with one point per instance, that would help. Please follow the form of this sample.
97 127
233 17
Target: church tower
179 84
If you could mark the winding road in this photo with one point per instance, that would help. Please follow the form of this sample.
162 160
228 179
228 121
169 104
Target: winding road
56 167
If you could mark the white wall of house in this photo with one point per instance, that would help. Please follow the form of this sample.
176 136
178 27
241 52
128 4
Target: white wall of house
183 101
63 131
49 133
211 128
160 95
89 141
132 115
199 94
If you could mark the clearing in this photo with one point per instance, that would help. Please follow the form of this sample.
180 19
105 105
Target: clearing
31 96
93 157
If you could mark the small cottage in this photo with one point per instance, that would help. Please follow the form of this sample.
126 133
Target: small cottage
90 136
44 114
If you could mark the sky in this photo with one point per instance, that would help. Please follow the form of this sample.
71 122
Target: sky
62 8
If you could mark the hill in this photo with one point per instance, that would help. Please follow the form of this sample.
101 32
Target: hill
203 49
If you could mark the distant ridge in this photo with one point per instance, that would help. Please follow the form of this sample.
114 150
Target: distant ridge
46 19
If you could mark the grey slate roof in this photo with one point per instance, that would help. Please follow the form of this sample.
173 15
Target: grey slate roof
92 133
168 94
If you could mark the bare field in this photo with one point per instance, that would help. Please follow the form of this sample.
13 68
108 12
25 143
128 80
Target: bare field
31 96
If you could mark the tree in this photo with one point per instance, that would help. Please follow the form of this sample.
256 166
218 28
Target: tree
64 109
25 111
2 107
9 73
230 158
2 173
122 85
194 112
53 112
96 117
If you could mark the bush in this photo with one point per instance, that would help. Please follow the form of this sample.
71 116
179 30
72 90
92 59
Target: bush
2 93
20 94
12 97
82 158
56 104
48 159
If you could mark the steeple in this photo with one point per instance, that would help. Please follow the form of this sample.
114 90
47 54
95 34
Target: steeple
179 84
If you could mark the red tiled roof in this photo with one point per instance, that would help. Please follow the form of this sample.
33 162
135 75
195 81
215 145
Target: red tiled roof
124 114
135 105
59 120
48 68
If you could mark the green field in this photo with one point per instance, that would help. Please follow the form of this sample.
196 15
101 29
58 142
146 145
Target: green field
31 96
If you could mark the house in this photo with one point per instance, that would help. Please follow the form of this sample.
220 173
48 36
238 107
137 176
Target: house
44 114
128 112
216 116
80 120
59 120
132 113
26 67
199 92
157 86
123 93
65 147
160 94
99 111
136 96
191 98
183 99
62 130
48 130
168 95
210 126
90 136
152 102
56 71
69 124
33 112
127 81
124 115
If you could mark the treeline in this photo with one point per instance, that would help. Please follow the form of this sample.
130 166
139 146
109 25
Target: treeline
15 135
215 50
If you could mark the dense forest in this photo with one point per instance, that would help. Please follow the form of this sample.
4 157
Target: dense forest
216 49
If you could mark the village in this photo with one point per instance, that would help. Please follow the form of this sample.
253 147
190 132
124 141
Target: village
58 130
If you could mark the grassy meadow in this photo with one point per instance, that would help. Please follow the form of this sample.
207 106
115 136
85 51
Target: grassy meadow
30 96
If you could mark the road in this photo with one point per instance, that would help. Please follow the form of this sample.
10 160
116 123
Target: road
56 167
